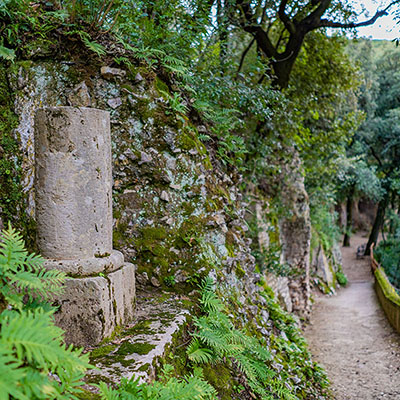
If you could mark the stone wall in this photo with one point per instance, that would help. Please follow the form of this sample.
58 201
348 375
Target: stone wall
295 233
177 214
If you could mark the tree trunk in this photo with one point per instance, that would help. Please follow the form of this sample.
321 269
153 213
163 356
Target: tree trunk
349 219
378 223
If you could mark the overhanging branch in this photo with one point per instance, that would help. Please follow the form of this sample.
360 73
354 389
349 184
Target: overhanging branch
325 23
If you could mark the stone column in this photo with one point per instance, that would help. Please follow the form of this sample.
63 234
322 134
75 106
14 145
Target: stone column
73 189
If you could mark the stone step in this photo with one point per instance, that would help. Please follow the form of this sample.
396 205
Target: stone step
138 347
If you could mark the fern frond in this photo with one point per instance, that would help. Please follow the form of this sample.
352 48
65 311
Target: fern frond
7 54
33 336
107 393
199 354
208 284
211 302
97 48
10 374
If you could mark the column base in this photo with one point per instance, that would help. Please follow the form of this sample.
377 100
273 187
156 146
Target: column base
91 308
87 266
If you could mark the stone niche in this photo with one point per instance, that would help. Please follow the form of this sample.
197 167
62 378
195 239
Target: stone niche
73 196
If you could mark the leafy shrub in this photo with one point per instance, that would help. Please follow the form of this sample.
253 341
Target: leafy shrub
34 362
388 255
341 278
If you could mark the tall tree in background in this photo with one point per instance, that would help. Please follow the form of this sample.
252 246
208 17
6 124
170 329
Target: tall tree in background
280 28
378 139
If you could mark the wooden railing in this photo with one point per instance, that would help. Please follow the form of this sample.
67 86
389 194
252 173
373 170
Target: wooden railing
387 294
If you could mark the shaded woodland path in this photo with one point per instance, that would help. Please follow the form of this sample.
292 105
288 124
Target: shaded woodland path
350 336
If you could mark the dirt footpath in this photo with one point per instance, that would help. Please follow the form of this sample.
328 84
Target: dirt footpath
350 336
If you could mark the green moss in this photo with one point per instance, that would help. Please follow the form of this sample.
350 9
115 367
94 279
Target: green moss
12 197
240 272
144 367
154 233
221 378
102 351
128 348
86 395
185 142
161 86
142 327
388 290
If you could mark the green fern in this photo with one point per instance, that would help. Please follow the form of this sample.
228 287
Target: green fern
216 333
23 274
199 354
191 387
7 54
94 46
31 347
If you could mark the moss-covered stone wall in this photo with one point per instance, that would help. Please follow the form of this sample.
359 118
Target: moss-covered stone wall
176 214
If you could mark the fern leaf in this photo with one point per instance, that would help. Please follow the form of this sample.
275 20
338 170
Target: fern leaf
94 46
107 393
7 54
199 354
33 336
211 302
10 374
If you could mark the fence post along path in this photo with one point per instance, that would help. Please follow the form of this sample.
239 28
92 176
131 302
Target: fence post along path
73 206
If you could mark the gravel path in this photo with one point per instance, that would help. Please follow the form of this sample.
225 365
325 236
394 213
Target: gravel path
350 336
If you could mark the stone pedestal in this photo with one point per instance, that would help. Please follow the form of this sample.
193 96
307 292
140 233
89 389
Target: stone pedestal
73 188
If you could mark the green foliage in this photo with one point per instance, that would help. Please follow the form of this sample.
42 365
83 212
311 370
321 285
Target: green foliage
22 274
34 362
387 287
324 223
192 387
12 196
341 278
7 54
388 255
217 339
170 280
292 351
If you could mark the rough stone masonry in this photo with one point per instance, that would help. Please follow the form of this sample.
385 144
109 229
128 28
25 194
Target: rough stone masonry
73 190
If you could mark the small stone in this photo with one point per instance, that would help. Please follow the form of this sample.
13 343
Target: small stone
174 186
142 278
80 97
180 276
130 154
171 163
264 315
109 73
21 80
219 219
202 129
154 281
115 102
139 78
164 196
145 158
193 152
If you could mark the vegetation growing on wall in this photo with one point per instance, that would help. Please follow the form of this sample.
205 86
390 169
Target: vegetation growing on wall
214 79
